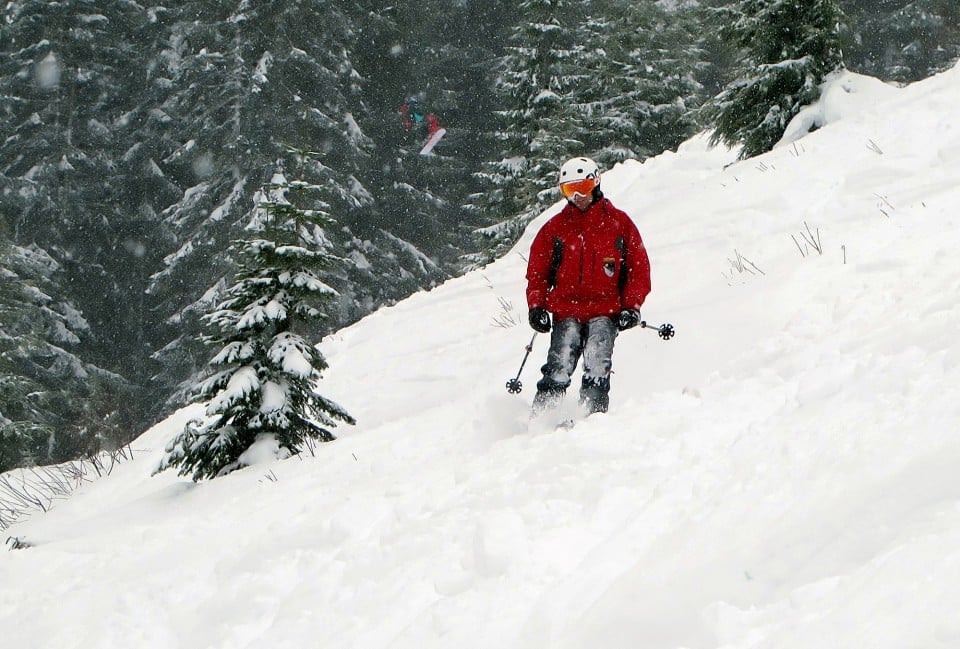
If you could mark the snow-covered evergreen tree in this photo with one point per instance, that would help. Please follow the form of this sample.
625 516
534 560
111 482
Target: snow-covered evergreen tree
260 83
441 52
789 47
262 390
716 57
255 83
540 120
24 424
611 79
75 181
644 94
902 40
46 390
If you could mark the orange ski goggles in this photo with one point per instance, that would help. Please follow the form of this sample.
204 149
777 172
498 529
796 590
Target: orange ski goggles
583 187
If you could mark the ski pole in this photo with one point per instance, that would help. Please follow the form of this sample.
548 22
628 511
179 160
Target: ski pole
514 386
665 331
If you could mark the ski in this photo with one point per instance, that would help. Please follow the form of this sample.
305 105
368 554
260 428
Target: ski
432 141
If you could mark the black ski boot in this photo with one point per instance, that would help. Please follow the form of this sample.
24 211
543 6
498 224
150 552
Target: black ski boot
595 395
546 399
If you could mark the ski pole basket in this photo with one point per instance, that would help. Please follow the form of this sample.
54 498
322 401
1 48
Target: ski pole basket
665 331
514 386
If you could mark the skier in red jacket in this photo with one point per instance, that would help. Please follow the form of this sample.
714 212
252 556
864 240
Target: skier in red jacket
412 117
588 268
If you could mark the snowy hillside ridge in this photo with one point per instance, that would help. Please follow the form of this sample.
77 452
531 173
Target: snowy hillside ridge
780 475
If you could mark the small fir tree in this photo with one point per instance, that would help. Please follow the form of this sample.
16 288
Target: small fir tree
262 389
789 47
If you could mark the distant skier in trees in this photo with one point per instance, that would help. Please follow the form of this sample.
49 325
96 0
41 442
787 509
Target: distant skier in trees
426 125
413 118
588 268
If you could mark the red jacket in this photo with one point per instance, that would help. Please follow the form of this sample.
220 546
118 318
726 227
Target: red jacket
409 119
588 264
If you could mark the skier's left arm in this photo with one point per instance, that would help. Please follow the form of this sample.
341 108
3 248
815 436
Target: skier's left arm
637 263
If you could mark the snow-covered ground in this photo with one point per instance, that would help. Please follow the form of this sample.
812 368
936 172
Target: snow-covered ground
782 474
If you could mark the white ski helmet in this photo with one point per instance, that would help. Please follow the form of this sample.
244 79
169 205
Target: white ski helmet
579 176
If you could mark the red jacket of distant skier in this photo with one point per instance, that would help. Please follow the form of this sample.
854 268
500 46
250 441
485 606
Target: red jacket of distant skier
411 117
588 264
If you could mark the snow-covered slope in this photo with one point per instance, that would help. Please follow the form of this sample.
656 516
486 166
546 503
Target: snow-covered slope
782 474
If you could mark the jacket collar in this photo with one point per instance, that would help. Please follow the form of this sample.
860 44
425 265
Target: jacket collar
598 206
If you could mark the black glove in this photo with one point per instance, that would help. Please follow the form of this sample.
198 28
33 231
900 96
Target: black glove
628 319
540 320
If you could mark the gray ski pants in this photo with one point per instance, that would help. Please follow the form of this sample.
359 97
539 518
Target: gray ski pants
569 340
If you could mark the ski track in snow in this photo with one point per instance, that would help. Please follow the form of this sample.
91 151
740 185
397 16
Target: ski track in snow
781 474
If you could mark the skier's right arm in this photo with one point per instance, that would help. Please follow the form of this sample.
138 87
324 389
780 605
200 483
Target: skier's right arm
538 269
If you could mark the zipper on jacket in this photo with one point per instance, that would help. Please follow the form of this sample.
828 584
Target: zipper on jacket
583 244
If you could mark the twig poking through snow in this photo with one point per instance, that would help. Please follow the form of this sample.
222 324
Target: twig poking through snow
810 240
